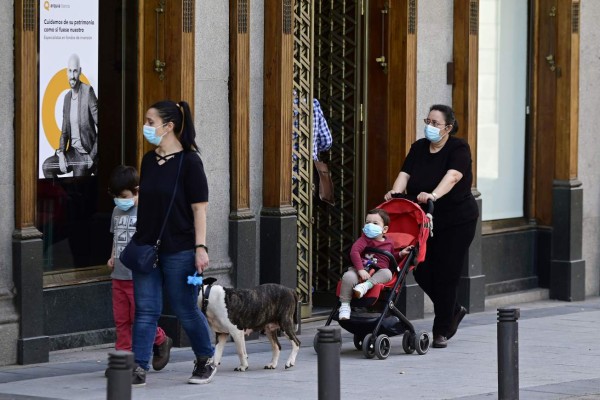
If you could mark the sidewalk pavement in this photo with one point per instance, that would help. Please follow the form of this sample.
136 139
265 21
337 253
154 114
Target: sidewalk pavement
559 358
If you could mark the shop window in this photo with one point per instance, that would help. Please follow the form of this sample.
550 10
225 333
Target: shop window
502 107
86 95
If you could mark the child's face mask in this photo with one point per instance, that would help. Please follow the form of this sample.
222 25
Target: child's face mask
372 230
124 204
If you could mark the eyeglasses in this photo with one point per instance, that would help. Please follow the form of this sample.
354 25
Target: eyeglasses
433 122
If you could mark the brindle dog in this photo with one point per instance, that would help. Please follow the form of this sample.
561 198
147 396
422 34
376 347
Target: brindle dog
236 312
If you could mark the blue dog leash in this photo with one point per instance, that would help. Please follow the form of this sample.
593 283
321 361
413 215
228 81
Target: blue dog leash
197 280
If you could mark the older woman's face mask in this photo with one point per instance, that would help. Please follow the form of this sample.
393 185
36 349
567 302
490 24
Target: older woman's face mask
432 133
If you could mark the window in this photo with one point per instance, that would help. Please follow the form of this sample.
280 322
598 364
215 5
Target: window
74 208
502 107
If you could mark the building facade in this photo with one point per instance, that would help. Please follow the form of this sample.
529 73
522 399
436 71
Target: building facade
519 74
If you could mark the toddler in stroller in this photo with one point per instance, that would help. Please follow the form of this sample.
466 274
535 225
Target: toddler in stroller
368 267
370 310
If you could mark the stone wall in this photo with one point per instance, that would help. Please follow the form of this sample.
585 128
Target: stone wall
9 328
589 162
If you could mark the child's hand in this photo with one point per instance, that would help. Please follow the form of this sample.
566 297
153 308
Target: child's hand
406 250
363 275
111 263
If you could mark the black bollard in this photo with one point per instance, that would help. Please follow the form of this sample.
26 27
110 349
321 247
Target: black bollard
120 365
508 354
328 344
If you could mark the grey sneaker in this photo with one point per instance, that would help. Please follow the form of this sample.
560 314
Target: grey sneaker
138 376
204 370
162 353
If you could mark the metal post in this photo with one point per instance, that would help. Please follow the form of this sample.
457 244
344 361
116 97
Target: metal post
120 365
508 354
328 351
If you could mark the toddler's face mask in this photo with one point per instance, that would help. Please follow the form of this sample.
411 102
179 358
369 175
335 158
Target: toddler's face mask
372 230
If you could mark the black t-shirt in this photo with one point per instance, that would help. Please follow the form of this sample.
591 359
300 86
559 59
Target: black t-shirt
156 188
426 171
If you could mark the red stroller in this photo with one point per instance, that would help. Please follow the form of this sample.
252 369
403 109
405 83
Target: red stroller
409 225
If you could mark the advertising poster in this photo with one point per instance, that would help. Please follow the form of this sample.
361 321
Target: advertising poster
68 96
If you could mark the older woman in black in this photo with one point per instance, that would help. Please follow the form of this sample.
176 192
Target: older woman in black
438 168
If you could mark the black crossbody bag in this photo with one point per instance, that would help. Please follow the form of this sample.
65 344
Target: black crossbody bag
143 258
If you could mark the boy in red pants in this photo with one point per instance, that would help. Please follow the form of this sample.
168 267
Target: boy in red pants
123 186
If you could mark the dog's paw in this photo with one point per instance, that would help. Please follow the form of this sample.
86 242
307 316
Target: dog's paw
241 368
270 366
289 365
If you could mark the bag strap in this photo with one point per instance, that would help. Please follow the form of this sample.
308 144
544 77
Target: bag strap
162 229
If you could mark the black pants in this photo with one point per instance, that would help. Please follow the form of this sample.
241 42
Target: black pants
439 274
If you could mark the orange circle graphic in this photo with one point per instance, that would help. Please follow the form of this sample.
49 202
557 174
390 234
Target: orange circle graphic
58 84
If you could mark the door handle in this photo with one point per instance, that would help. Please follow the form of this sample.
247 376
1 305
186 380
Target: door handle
382 63
552 64
159 65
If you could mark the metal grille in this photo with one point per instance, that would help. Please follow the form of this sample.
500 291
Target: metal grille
188 16
242 16
336 70
29 15
328 32
412 17
287 17
575 17
473 17
302 144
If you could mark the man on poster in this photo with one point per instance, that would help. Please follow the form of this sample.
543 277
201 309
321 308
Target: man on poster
78 149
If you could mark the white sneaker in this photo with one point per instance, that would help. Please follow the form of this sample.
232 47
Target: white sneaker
361 289
344 311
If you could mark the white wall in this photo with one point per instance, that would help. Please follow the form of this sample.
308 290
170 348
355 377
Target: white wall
434 51
589 162
257 48
212 125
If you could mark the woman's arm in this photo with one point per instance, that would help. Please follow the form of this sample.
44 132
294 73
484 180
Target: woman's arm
399 185
199 210
451 178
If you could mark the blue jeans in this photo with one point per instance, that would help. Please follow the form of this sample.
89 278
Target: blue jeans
172 273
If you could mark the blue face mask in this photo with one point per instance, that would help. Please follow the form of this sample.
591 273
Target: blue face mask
124 204
372 231
150 135
433 134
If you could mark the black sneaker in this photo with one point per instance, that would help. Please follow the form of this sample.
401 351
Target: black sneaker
203 372
138 376
162 353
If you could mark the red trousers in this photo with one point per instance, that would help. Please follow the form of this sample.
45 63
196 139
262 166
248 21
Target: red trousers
124 312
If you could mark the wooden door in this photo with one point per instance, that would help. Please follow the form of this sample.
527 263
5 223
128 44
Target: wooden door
166 57
390 93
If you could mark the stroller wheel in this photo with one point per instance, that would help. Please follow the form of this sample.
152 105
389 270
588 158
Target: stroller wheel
422 342
358 341
368 346
407 342
383 346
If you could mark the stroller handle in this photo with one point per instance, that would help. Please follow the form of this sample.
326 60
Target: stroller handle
412 198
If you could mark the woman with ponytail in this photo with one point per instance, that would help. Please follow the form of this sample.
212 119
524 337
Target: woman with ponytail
174 164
